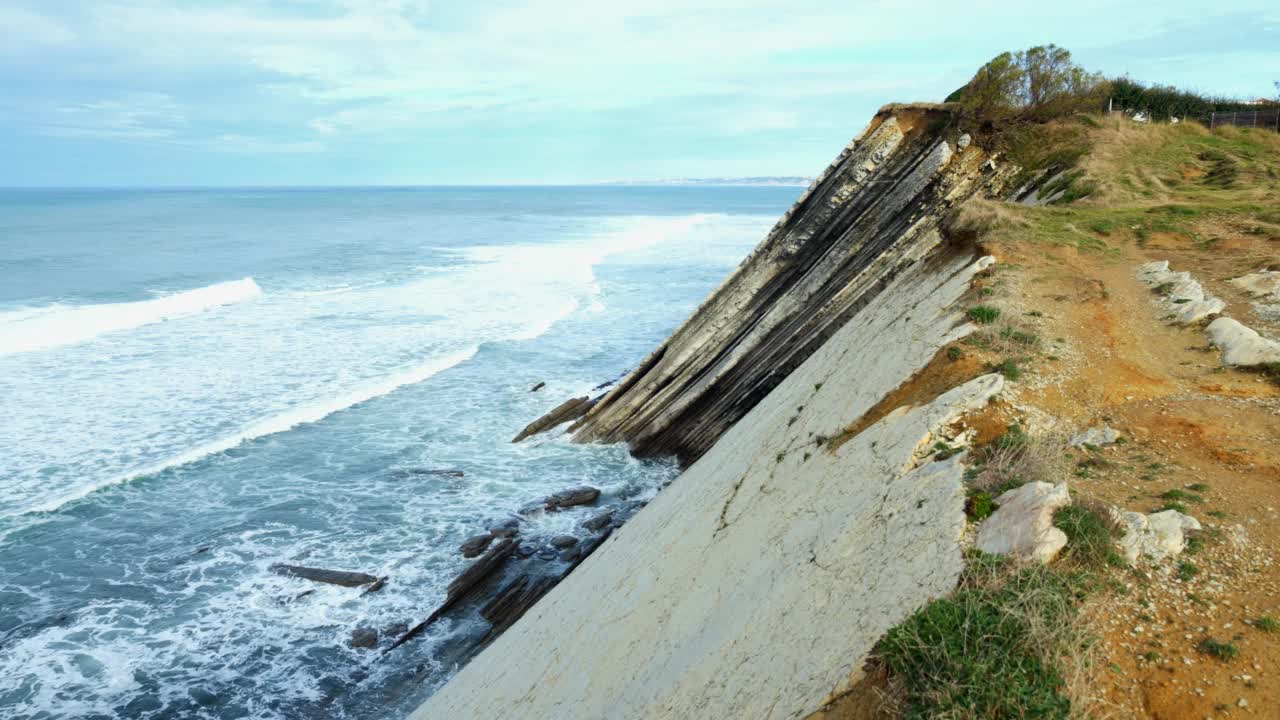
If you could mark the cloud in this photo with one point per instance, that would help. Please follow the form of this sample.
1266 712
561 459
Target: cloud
140 116
25 31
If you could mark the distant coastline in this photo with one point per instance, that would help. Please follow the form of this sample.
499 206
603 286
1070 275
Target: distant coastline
771 181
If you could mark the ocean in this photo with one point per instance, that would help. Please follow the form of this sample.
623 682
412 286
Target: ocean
196 385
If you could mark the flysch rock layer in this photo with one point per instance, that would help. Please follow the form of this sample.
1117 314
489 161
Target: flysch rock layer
1185 298
874 212
756 584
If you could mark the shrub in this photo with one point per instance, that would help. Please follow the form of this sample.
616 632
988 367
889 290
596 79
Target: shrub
979 506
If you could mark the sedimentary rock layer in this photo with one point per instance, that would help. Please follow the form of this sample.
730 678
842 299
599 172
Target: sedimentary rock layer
755 585
874 212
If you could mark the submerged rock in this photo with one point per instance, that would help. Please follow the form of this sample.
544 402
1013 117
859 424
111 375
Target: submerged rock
363 638
537 387
1022 527
582 495
333 577
1156 536
564 412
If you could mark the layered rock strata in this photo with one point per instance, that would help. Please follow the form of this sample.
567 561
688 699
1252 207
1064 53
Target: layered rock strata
873 213
756 584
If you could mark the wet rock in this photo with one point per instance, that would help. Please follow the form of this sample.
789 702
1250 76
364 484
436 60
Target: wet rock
514 600
537 387
333 577
582 495
564 541
1022 527
439 472
364 638
508 527
462 585
547 554
476 544
571 409
526 550
599 521
1095 436
376 586
1156 536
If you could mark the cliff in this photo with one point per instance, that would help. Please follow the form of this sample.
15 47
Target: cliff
875 211
811 517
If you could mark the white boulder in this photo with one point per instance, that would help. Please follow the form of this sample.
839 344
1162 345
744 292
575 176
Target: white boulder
1156 536
1242 346
1185 297
1260 284
1095 436
1022 527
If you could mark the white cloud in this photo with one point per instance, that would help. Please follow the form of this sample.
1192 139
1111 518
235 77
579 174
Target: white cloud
139 116
24 31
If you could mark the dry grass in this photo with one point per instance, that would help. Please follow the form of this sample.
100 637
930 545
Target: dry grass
1015 459
980 216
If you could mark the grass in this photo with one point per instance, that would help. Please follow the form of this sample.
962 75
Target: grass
1008 368
979 506
1090 532
1267 624
1217 648
1016 458
1180 496
984 314
1187 570
1017 625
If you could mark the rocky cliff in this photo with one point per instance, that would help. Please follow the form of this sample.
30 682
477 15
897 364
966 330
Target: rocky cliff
874 212
811 517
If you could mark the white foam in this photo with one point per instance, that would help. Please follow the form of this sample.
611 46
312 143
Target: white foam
308 413
58 325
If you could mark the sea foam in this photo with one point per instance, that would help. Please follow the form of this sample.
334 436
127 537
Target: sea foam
60 324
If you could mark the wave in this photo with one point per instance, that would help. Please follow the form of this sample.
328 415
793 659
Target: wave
308 413
58 325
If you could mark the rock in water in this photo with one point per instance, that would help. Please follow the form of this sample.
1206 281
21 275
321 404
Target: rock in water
564 541
363 637
1022 527
333 577
583 495
473 546
564 412
537 387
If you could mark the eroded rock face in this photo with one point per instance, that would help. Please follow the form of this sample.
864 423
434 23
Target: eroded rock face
1156 536
1242 346
1022 527
874 212
758 581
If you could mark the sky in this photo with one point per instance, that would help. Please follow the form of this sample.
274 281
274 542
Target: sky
405 92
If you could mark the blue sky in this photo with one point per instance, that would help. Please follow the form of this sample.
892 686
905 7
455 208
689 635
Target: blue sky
323 92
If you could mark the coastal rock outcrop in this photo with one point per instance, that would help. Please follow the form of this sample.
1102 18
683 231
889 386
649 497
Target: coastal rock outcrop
758 581
874 212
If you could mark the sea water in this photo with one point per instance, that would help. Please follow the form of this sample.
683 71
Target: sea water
196 385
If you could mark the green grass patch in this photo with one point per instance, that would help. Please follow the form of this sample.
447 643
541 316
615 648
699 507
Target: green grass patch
1180 496
1267 624
979 506
1187 570
1219 649
1008 368
983 314
948 653
1089 535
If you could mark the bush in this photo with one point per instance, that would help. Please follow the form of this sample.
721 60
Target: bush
1165 102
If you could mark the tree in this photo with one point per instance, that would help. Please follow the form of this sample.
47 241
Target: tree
1037 84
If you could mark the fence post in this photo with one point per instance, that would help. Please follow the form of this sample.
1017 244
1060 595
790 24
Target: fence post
1212 117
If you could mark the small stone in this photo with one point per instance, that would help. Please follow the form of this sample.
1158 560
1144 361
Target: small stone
1242 703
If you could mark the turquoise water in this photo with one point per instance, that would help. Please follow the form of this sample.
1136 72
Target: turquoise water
199 384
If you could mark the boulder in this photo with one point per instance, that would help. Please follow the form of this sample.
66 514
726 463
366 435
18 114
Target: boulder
598 522
1260 284
1156 536
509 527
333 577
1242 346
476 544
581 495
1095 436
1022 527
364 638
564 541
537 387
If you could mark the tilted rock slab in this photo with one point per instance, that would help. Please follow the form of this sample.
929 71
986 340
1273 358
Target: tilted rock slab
1156 536
1187 300
1022 527
755 585
1242 346
873 213
1262 284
